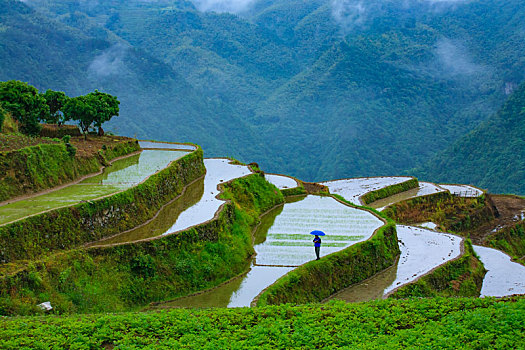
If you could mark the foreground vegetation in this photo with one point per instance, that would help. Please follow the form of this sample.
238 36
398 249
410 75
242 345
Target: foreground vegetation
388 324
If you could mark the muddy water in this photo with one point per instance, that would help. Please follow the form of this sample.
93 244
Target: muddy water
424 189
504 277
164 219
120 175
371 289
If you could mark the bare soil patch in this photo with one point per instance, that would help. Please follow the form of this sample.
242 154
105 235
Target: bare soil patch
509 209
11 142
91 146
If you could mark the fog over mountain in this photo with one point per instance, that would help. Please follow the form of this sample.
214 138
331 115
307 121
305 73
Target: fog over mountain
318 89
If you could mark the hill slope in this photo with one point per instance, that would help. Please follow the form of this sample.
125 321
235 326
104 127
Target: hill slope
332 90
492 156
155 100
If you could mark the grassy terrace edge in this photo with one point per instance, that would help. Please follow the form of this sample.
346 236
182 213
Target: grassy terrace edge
461 277
318 279
124 277
510 240
444 323
68 227
388 191
36 168
449 212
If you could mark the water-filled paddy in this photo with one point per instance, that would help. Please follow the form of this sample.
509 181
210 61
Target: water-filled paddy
164 219
504 277
122 174
163 145
421 251
425 188
280 181
282 240
463 190
352 189
288 241
217 172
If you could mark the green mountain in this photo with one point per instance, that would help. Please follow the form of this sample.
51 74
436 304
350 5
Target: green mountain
155 100
492 156
318 89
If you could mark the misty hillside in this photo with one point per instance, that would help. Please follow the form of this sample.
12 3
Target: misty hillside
51 55
318 89
491 156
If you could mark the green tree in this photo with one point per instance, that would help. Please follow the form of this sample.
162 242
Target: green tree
26 105
106 106
56 101
82 109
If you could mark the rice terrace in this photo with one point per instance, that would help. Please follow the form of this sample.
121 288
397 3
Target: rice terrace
262 174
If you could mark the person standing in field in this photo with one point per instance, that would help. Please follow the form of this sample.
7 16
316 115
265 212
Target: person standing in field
317 246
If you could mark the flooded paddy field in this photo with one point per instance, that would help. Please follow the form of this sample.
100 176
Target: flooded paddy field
282 242
463 190
196 205
122 174
504 277
289 243
425 188
352 189
217 171
421 251
165 145
280 181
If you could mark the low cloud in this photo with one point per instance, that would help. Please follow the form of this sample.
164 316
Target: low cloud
351 14
454 59
232 6
110 62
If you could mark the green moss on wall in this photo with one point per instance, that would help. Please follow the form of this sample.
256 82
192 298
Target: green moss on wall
72 226
125 277
461 277
318 279
388 191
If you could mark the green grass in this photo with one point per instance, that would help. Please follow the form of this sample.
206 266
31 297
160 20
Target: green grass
511 240
440 323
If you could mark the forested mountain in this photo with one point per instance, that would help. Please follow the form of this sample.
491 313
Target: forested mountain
491 156
319 89
48 54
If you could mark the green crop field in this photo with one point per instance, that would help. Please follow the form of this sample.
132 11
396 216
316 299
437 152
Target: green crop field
389 324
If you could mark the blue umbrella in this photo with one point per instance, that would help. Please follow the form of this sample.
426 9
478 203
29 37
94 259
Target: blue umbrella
317 233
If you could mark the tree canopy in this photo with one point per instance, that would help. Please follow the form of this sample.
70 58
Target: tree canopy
25 104
29 107
56 101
